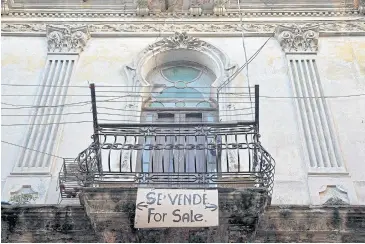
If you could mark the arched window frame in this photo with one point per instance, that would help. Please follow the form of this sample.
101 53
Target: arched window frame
187 48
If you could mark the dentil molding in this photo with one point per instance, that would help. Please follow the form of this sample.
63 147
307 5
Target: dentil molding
326 28
298 39
229 13
66 39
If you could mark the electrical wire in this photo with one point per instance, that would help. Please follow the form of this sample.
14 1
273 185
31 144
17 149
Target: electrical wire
238 94
60 123
244 47
226 82
269 97
239 109
249 61
135 92
18 106
13 144
39 115
342 96
27 85
72 122
99 113
96 86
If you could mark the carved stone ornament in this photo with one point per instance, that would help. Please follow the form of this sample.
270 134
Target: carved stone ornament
25 189
179 40
66 39
333 195
298 39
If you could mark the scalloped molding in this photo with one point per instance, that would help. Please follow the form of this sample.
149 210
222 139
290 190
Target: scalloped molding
209 28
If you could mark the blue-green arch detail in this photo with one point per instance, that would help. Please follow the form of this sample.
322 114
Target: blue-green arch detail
181 73
173 93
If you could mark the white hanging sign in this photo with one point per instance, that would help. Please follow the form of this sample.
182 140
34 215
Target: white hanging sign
176 208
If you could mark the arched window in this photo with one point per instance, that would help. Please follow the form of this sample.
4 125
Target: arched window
180 85
180 92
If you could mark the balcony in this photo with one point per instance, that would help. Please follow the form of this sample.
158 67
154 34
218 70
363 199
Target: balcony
224 154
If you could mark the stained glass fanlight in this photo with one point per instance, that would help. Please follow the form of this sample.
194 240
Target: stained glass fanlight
181 73
183 86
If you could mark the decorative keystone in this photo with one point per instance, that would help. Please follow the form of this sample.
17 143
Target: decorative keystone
298 39
66 39
179 40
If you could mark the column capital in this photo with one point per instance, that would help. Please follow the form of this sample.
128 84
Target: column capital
298 39
67 39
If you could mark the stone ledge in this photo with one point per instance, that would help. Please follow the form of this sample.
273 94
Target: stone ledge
279 223
239 212
45 223
312 224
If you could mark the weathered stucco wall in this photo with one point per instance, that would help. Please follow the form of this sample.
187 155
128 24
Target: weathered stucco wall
342 67
342 72
22 62
278 224
279 129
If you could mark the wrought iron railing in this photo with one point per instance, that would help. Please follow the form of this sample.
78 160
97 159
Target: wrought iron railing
69 179
202 155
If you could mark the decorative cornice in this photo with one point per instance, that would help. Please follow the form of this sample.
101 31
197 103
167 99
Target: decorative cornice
67 39
298 39
208 28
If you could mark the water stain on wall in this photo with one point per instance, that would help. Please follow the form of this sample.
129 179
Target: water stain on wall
28 63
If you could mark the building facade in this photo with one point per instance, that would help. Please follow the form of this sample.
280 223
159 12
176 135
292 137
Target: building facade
308 58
